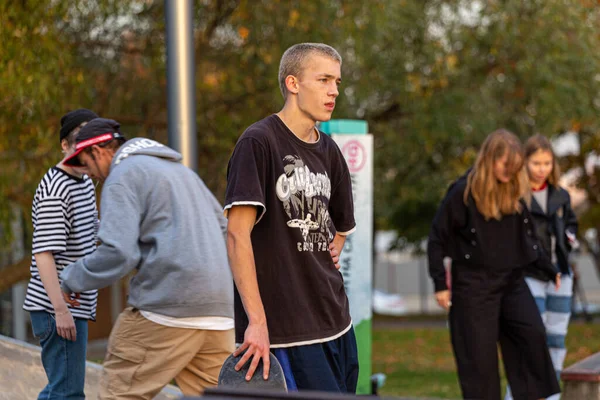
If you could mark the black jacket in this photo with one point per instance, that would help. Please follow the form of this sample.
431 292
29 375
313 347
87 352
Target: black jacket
460 232
559 219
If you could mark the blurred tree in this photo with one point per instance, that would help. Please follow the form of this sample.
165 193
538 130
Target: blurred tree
469 68
431 77
36 72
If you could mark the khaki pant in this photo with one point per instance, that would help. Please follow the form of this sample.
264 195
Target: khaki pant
143 357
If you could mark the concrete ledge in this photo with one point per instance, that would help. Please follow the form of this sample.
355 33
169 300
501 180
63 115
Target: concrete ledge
587 370
223 393
22 375
582 380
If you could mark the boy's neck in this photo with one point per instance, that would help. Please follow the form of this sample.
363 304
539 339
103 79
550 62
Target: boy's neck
69 170
297 122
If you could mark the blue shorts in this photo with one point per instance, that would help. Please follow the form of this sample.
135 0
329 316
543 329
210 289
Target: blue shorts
329 367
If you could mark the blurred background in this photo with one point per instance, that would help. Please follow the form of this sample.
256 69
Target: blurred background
432 78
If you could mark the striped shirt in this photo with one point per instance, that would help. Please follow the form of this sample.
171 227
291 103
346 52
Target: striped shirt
65 222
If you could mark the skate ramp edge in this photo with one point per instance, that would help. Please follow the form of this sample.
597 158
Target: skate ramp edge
22 375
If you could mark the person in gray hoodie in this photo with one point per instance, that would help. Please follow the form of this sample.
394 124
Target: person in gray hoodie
159 219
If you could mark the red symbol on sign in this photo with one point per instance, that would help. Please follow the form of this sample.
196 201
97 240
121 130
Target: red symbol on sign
355 155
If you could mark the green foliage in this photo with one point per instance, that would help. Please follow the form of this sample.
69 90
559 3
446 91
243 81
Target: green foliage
34 68
475 67
431 77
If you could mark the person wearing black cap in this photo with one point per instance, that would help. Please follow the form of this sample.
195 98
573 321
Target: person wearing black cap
71 122
160 219
65 221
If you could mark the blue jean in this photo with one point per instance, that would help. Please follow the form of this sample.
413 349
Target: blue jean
63 360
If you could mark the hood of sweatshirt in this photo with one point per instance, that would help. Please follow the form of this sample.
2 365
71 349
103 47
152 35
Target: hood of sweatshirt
147 147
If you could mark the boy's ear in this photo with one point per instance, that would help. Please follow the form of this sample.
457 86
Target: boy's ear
291 84
64 144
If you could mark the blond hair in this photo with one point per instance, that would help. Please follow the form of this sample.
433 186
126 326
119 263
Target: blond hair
539 142
493 198
294 59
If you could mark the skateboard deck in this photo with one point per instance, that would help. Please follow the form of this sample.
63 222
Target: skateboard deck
229 377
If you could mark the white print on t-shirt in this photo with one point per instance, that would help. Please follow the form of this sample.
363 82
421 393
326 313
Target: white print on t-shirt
302 193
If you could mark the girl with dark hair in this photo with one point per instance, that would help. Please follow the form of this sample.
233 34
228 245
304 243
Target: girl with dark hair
556 226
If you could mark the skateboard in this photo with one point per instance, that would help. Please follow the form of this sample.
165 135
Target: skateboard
230 378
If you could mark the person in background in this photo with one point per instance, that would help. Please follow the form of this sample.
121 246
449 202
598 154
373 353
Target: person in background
483 224
556 227
65 223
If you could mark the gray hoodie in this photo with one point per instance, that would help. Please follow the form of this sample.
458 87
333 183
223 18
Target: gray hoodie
158 217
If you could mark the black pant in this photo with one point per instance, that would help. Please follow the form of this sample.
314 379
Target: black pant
491 306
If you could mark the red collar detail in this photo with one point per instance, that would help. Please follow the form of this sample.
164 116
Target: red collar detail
544 186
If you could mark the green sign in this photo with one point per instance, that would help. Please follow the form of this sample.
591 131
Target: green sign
356 261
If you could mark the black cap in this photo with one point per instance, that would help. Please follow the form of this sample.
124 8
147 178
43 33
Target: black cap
97 131
73 119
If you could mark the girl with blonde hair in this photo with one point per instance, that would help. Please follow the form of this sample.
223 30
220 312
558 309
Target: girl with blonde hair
483 224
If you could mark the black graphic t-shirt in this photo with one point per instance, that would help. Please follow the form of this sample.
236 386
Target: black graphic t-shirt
303 194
